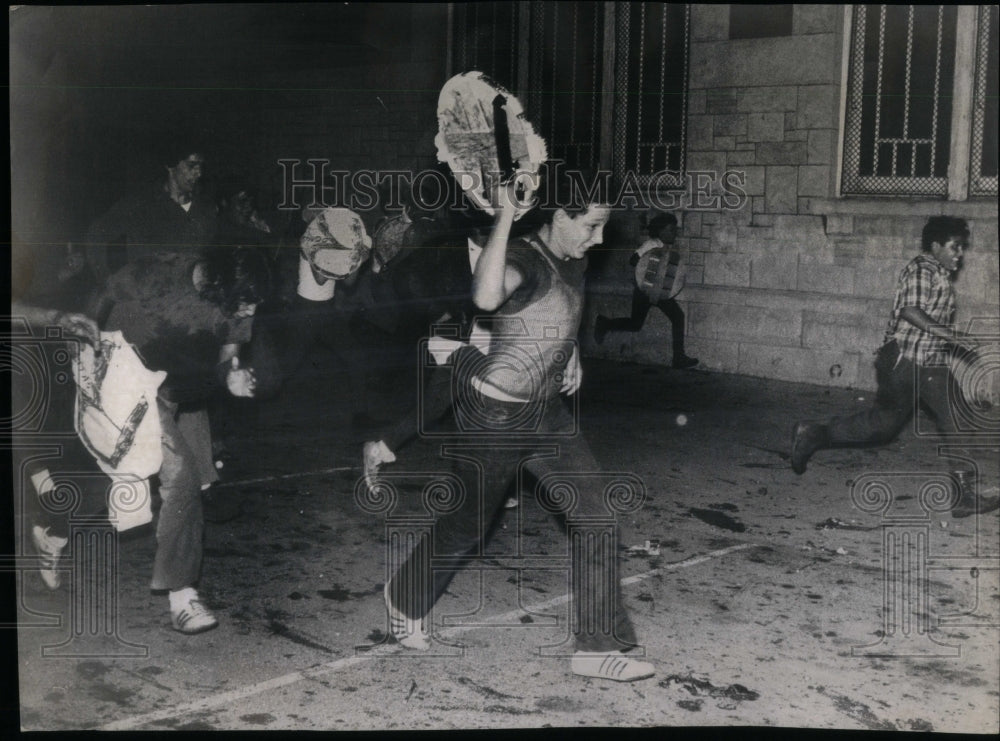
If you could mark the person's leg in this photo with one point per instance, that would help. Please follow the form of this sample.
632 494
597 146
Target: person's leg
179 531
939 392
601 621
193 425
675 314
895 402
53 487
459 534
602 628
416 586
631 323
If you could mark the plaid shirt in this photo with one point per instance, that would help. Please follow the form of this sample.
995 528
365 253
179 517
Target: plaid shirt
925 284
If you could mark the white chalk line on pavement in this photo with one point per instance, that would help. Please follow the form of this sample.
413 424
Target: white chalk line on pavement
315 672
282 477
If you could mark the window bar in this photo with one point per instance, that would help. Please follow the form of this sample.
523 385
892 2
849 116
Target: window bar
937 89
906 97
623 38
878 87
909 71
512 68
638 105
605 131
493 40
555 49
663 69
473 57
595 98
572 66
687 77
981 184
857 100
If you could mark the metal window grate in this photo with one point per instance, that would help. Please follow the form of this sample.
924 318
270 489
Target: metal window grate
486 40
898 128
566 62
983 166
564 72
651 78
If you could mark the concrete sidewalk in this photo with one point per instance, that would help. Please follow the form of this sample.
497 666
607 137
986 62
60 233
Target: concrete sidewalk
762 605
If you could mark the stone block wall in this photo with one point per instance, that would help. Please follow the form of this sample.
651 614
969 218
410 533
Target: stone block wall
796 283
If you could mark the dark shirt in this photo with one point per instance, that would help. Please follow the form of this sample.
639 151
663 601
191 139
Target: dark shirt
158 310
419 286
149 221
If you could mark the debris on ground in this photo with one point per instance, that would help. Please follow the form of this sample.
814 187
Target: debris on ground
729 696
649 548
832 523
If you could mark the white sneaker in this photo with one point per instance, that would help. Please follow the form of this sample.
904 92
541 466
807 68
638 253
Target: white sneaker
612 665
374 454
49 548
408 632
188 614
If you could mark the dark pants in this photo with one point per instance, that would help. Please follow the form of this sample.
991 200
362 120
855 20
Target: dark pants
600 621
46 441
901 388
640 309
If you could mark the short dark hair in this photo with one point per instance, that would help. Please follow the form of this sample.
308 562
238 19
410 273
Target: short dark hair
940 228
234 276
574 191
176 150
660 222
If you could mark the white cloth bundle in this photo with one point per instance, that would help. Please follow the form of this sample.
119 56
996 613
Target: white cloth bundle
118 422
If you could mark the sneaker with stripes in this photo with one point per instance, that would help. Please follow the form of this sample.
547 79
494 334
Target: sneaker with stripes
188 614
408 632
612 665
49 548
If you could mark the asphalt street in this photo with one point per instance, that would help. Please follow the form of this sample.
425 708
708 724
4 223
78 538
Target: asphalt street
843 598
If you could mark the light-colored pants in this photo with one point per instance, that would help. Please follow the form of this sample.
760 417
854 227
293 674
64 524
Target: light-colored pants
181 523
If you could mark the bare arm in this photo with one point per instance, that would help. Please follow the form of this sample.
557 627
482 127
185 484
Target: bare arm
493 281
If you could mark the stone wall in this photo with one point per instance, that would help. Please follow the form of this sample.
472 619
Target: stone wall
796 284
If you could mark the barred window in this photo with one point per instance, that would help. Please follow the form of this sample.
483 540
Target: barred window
566 67
578 66
485 39
906 119
983 170
652 80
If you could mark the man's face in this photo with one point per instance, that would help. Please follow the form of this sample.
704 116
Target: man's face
577 234
949 254
186 173
241 205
